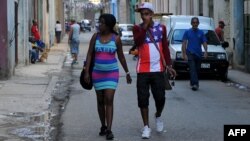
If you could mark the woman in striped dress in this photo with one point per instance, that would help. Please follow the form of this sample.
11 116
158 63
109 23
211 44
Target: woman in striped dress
106 43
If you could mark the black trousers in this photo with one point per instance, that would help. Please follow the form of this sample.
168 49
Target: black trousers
155 81
58 36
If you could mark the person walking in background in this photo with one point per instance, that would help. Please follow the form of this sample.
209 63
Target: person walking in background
67 27
192 52
150 68
220 31
58 30
74 40
105 44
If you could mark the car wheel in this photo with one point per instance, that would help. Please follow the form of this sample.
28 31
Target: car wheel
223 76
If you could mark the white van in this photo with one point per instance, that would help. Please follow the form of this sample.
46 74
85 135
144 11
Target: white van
217 61
127 34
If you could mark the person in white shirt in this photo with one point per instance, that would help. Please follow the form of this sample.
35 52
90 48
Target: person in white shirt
58 31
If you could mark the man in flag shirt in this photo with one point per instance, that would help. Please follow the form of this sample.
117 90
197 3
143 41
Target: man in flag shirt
150 67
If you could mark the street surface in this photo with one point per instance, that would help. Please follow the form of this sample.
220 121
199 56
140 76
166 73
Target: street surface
188 115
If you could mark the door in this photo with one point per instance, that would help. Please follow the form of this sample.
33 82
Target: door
16 33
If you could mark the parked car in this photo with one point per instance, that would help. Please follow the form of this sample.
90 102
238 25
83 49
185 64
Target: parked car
217 61
126 34
96 24
86 25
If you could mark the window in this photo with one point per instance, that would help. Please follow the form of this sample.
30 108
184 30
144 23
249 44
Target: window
200 7
211 36
177 36
211 8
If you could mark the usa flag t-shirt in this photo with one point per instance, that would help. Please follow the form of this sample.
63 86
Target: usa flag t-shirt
149 57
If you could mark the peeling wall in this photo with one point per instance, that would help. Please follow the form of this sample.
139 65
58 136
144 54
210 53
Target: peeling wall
25 14
11 36
238 31
3 40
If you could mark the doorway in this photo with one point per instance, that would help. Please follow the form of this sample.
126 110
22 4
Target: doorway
16 33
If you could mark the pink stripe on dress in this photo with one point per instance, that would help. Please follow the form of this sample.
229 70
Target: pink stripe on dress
103 75
104 55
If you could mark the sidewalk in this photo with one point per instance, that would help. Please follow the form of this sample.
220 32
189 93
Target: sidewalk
239 77
29 90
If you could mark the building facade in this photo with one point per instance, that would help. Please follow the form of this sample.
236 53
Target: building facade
16 20
4 51
119 8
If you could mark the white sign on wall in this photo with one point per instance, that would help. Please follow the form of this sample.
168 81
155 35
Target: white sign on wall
247 7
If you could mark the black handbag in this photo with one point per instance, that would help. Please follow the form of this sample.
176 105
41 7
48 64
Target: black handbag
88 86
167 83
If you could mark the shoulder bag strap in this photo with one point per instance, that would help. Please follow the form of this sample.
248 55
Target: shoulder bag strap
162 56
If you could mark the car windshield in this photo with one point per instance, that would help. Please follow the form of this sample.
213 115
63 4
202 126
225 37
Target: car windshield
212 39
126 27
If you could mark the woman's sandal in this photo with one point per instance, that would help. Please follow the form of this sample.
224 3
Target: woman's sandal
109 135
103 131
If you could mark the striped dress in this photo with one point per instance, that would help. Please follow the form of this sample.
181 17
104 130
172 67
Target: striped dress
105 73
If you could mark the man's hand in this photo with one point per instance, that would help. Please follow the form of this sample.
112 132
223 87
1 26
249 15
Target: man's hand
184 57
205 55
205 49
183 50
171 71
146 25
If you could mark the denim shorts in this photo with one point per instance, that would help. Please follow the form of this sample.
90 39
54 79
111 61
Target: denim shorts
145 81
74 46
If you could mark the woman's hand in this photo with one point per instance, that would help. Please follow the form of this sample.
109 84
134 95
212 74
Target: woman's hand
86 78
129 79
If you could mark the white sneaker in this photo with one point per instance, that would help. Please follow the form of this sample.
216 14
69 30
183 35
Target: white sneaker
146 132
159 124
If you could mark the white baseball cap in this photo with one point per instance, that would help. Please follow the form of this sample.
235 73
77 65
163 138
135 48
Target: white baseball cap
144 5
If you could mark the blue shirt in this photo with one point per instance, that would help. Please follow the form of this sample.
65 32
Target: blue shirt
195 38
76 32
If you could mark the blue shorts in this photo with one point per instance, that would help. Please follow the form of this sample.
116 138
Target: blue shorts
74 46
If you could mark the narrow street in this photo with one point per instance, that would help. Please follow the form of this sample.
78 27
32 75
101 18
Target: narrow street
188 115
41 98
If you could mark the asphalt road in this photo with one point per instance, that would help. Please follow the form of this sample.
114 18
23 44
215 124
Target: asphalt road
188 115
